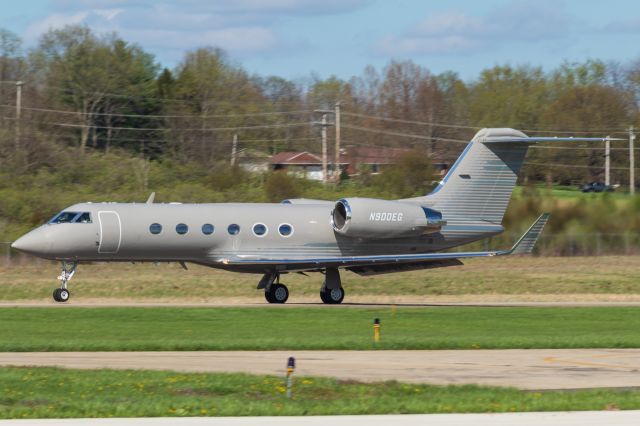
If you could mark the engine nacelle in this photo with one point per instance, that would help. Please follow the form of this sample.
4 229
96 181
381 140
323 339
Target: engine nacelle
370 218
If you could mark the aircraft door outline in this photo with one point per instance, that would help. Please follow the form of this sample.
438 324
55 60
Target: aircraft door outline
110 232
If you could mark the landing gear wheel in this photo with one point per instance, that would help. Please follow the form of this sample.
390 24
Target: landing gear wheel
68 269
277 293
333 296
61 295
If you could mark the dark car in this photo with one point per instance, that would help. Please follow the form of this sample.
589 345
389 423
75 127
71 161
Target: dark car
596 187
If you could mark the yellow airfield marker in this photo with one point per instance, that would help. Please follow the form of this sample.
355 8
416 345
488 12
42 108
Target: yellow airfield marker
376 330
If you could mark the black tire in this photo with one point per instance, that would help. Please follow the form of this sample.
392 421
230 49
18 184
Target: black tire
268 296
278 293
332 296
323 296
56 294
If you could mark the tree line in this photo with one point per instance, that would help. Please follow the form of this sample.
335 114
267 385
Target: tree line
85 91
102 120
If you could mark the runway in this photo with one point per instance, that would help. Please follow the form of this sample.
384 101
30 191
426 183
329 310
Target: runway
582 418
533 369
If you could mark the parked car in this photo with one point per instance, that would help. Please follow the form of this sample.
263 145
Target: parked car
596 187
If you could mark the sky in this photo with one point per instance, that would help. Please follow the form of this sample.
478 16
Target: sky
295 38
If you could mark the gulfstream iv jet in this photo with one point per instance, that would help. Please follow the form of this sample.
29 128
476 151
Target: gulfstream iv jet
361 235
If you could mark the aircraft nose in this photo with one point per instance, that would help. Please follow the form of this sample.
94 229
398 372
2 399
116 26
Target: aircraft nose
32 243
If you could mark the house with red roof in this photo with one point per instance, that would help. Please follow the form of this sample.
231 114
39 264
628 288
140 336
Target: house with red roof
352 159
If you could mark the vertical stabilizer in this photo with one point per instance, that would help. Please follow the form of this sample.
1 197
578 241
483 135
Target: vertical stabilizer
480 182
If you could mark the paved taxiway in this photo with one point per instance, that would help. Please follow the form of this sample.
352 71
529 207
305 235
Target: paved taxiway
524 369
577 418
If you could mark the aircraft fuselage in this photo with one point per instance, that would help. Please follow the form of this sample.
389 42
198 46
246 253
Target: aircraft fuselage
208 233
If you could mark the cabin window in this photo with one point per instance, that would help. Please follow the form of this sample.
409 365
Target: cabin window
285 230
260 229
155 228
71 217
64 217
182 229
234 229
83 218
207 229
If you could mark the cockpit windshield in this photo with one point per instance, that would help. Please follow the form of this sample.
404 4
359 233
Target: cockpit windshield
71 217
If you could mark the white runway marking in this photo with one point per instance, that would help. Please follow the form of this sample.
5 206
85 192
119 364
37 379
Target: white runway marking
521 368
577 418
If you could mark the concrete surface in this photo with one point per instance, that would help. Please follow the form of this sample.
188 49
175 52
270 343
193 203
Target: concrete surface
524 369
577 418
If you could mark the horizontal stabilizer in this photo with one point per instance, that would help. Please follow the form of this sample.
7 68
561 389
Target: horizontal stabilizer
526 243
499 139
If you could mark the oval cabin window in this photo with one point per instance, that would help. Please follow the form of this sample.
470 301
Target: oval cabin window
260 229
285 230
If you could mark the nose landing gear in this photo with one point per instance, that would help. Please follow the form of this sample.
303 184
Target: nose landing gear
62 294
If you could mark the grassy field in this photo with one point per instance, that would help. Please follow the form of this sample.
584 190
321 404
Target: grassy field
48 392
529 276
96 329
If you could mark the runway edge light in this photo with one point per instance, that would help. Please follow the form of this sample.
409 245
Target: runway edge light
376 330
291 366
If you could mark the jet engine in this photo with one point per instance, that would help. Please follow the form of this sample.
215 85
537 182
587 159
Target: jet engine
370 218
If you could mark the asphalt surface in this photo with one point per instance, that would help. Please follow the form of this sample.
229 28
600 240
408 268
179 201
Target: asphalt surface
577 418
535 369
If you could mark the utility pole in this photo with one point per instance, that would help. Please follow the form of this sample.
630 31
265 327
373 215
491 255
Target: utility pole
632 176
323 132
18 113
234 149
336 166
607 161
324 148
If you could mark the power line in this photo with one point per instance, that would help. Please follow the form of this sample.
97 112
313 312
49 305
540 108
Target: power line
398 120
407 135
149 129
301 112
457 126
151 98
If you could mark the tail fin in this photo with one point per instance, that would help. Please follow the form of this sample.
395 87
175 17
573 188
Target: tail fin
479 184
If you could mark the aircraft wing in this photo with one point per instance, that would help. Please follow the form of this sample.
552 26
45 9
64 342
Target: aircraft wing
359 263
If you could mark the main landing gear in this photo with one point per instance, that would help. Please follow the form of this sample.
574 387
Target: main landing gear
62 294
331 292
274 292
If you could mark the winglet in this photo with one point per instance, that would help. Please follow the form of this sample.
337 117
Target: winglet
528 240
151 198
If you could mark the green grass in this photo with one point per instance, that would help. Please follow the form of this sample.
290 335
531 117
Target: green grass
95 329
48 392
